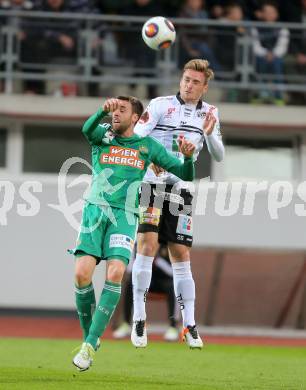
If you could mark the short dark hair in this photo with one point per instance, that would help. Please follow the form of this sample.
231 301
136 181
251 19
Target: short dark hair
271 3
137 106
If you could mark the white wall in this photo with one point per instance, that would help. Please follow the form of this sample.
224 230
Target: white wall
36 269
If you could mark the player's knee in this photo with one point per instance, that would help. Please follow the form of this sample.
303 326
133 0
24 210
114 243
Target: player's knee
115 272
179 252
82 276
149 248
147 243
84 268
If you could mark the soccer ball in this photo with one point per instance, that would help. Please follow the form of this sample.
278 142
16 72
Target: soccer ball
158 33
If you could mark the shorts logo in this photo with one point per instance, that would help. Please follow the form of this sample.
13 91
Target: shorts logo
121 241
184 225
122 156
149 215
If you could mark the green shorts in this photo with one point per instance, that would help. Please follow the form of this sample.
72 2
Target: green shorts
106 233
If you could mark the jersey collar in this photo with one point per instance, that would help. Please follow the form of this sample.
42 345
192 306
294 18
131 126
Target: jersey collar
126 140
199 104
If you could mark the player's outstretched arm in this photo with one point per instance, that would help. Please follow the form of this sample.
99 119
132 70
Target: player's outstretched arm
91 129
161 157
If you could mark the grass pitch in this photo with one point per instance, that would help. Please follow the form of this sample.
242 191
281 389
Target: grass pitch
46 364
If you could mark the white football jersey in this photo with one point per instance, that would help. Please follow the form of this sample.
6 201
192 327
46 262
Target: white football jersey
166 118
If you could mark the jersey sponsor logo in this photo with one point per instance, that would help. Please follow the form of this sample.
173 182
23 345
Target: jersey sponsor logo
169 112
108 137
143 149
201 114
144 117
121 241
184 225
122 156
149 215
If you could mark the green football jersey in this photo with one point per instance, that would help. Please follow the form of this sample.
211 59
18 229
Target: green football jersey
120 163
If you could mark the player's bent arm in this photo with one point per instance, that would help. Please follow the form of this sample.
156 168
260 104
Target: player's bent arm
148 119
215 147
161 157
91 129
214 143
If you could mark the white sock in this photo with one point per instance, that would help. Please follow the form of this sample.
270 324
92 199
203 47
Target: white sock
141 278
184 289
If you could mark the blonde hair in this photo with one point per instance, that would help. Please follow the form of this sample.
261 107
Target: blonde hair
202 66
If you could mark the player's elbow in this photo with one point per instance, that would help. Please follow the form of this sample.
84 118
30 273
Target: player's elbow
87 126
190 176
84 128
219 155
219 158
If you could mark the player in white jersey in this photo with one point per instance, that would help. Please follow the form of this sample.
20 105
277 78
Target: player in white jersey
166 203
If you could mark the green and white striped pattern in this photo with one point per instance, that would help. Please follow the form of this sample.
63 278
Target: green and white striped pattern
113 287
84 290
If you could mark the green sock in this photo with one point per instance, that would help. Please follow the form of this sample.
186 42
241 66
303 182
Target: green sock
86 304
108 301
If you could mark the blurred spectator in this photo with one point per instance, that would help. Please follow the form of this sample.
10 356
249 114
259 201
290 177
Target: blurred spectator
270 45
289 11
15 5
215 8
301 44
111 6
54 38
226 49
135 45
14 21
298 50
198 43
61 35
194 9
81 6
171 7
49 41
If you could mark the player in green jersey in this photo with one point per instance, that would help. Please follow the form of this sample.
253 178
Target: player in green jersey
110 215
